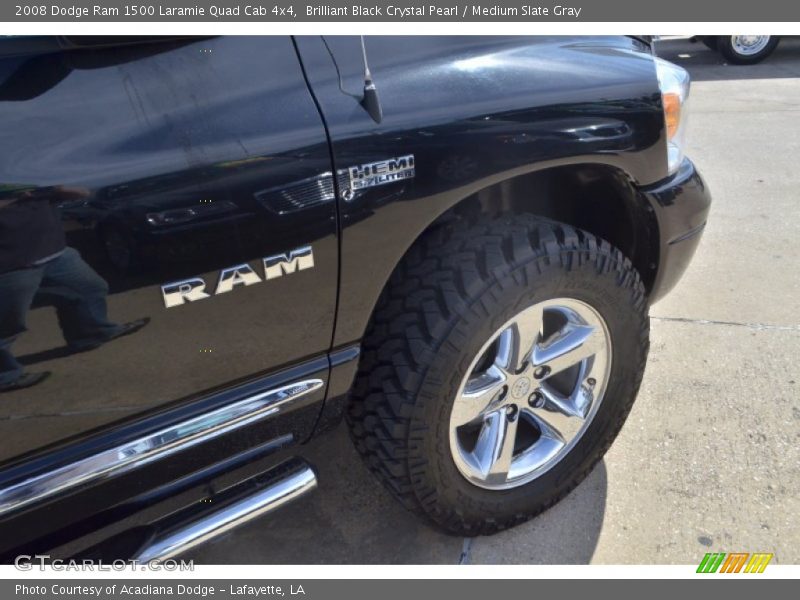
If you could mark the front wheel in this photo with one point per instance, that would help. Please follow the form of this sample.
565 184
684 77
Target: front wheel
746 49
500 364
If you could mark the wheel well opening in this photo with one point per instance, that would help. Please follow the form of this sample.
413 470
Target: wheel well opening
596 198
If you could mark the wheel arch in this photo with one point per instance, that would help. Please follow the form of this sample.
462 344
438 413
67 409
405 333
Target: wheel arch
596 197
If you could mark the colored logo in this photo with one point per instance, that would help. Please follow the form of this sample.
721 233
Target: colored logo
734 562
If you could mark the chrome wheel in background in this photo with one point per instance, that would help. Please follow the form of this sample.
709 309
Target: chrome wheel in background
530 394
746 49
749 45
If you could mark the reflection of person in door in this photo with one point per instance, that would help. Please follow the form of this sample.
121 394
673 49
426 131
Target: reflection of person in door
35 262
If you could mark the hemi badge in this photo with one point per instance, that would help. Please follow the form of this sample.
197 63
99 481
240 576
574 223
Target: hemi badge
381 172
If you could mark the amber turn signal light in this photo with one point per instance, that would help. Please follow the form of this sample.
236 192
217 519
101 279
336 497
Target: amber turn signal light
672 113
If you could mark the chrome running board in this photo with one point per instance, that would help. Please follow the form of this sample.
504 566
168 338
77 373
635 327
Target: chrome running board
297 478
155 446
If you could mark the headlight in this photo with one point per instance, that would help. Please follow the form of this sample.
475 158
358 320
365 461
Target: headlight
674 82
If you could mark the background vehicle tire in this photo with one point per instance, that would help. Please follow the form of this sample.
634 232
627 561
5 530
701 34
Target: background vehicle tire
746 49
435 323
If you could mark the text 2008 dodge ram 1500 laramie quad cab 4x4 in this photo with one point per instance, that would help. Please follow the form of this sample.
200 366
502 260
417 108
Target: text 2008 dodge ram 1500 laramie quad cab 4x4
213 249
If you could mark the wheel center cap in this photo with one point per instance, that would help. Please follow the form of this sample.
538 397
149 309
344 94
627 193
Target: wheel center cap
520 388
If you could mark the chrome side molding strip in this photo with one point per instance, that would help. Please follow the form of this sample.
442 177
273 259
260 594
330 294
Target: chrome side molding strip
154 446
287 488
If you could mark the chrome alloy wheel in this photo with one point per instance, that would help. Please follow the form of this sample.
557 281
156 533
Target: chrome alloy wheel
530 394
748 45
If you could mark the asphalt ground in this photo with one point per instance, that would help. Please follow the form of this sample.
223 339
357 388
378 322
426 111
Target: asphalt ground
709 459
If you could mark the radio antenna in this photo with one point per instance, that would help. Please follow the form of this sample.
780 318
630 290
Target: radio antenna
370 100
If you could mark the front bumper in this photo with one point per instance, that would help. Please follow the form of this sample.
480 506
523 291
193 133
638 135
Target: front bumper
680 204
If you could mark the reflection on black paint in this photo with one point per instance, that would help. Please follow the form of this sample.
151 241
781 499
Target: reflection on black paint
37 266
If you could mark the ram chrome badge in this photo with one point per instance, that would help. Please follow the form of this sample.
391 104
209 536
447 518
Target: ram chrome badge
190 290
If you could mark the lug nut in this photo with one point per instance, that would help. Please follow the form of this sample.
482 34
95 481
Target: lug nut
591 381
511 412
536 400
541 372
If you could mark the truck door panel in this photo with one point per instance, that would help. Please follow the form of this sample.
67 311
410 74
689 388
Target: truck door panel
168 161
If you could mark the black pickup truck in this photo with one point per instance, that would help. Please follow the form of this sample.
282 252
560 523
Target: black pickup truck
214 249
